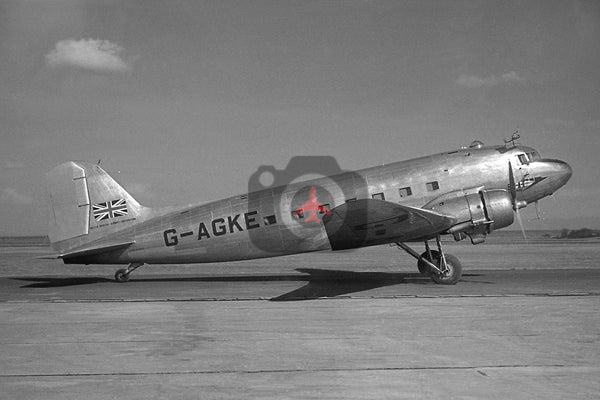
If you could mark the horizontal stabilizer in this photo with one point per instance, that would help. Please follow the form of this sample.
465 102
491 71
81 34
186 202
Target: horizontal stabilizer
90 250
369 222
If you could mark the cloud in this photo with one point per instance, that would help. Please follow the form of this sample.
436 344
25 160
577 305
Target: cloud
492 80
12 196
89 54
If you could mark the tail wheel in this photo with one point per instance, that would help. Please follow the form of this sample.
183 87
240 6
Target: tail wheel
423 267
121 275
452 274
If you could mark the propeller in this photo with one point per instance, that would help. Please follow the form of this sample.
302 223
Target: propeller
520 221
512 188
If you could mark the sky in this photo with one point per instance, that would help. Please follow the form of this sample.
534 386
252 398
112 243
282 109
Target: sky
183 100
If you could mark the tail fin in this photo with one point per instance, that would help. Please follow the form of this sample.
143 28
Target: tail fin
87 204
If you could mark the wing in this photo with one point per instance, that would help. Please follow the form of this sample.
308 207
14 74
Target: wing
369 222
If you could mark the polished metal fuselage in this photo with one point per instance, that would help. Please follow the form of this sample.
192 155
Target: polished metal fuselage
263 223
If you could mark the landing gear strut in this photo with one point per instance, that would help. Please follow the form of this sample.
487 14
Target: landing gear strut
445 269
122 275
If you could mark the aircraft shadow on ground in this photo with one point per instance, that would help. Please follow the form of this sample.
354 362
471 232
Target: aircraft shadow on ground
49 282
321 283
331 283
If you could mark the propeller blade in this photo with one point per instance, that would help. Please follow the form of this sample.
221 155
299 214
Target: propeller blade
520 221
512 188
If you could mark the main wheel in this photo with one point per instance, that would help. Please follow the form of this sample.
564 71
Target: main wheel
452 275
423 267
121 275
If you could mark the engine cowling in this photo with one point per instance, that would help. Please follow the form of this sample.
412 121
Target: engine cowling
478 212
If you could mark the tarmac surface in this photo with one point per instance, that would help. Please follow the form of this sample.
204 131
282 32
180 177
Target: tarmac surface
305 333
300 284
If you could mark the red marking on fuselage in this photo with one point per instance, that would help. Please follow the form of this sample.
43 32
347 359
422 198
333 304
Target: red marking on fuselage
312 205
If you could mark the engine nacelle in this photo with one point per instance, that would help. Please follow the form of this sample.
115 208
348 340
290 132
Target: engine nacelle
477 211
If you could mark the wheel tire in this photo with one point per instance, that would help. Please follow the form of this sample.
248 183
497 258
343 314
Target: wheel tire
121 276
424 268
454 273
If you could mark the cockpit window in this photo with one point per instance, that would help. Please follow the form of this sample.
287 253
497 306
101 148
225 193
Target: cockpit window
526 158
523 158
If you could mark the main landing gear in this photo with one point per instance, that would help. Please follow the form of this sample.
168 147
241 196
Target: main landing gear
122 275
445 269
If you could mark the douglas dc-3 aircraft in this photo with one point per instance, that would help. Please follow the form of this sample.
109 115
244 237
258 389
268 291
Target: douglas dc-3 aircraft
468 192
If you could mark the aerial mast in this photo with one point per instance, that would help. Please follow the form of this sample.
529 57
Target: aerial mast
513 141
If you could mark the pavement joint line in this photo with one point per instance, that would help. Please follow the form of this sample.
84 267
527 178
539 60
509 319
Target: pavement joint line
262 298
291 370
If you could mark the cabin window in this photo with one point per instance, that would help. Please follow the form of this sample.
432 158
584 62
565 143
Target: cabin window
270 220
405 191
324 207
378 196
431 186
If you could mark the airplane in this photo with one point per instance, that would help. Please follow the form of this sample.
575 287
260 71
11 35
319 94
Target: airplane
312 205
468 192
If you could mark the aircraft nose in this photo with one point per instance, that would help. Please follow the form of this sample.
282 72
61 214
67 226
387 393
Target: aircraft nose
563 172
567 171
558 172
550 175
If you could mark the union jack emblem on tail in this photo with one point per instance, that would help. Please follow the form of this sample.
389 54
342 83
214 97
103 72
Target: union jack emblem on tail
109 209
